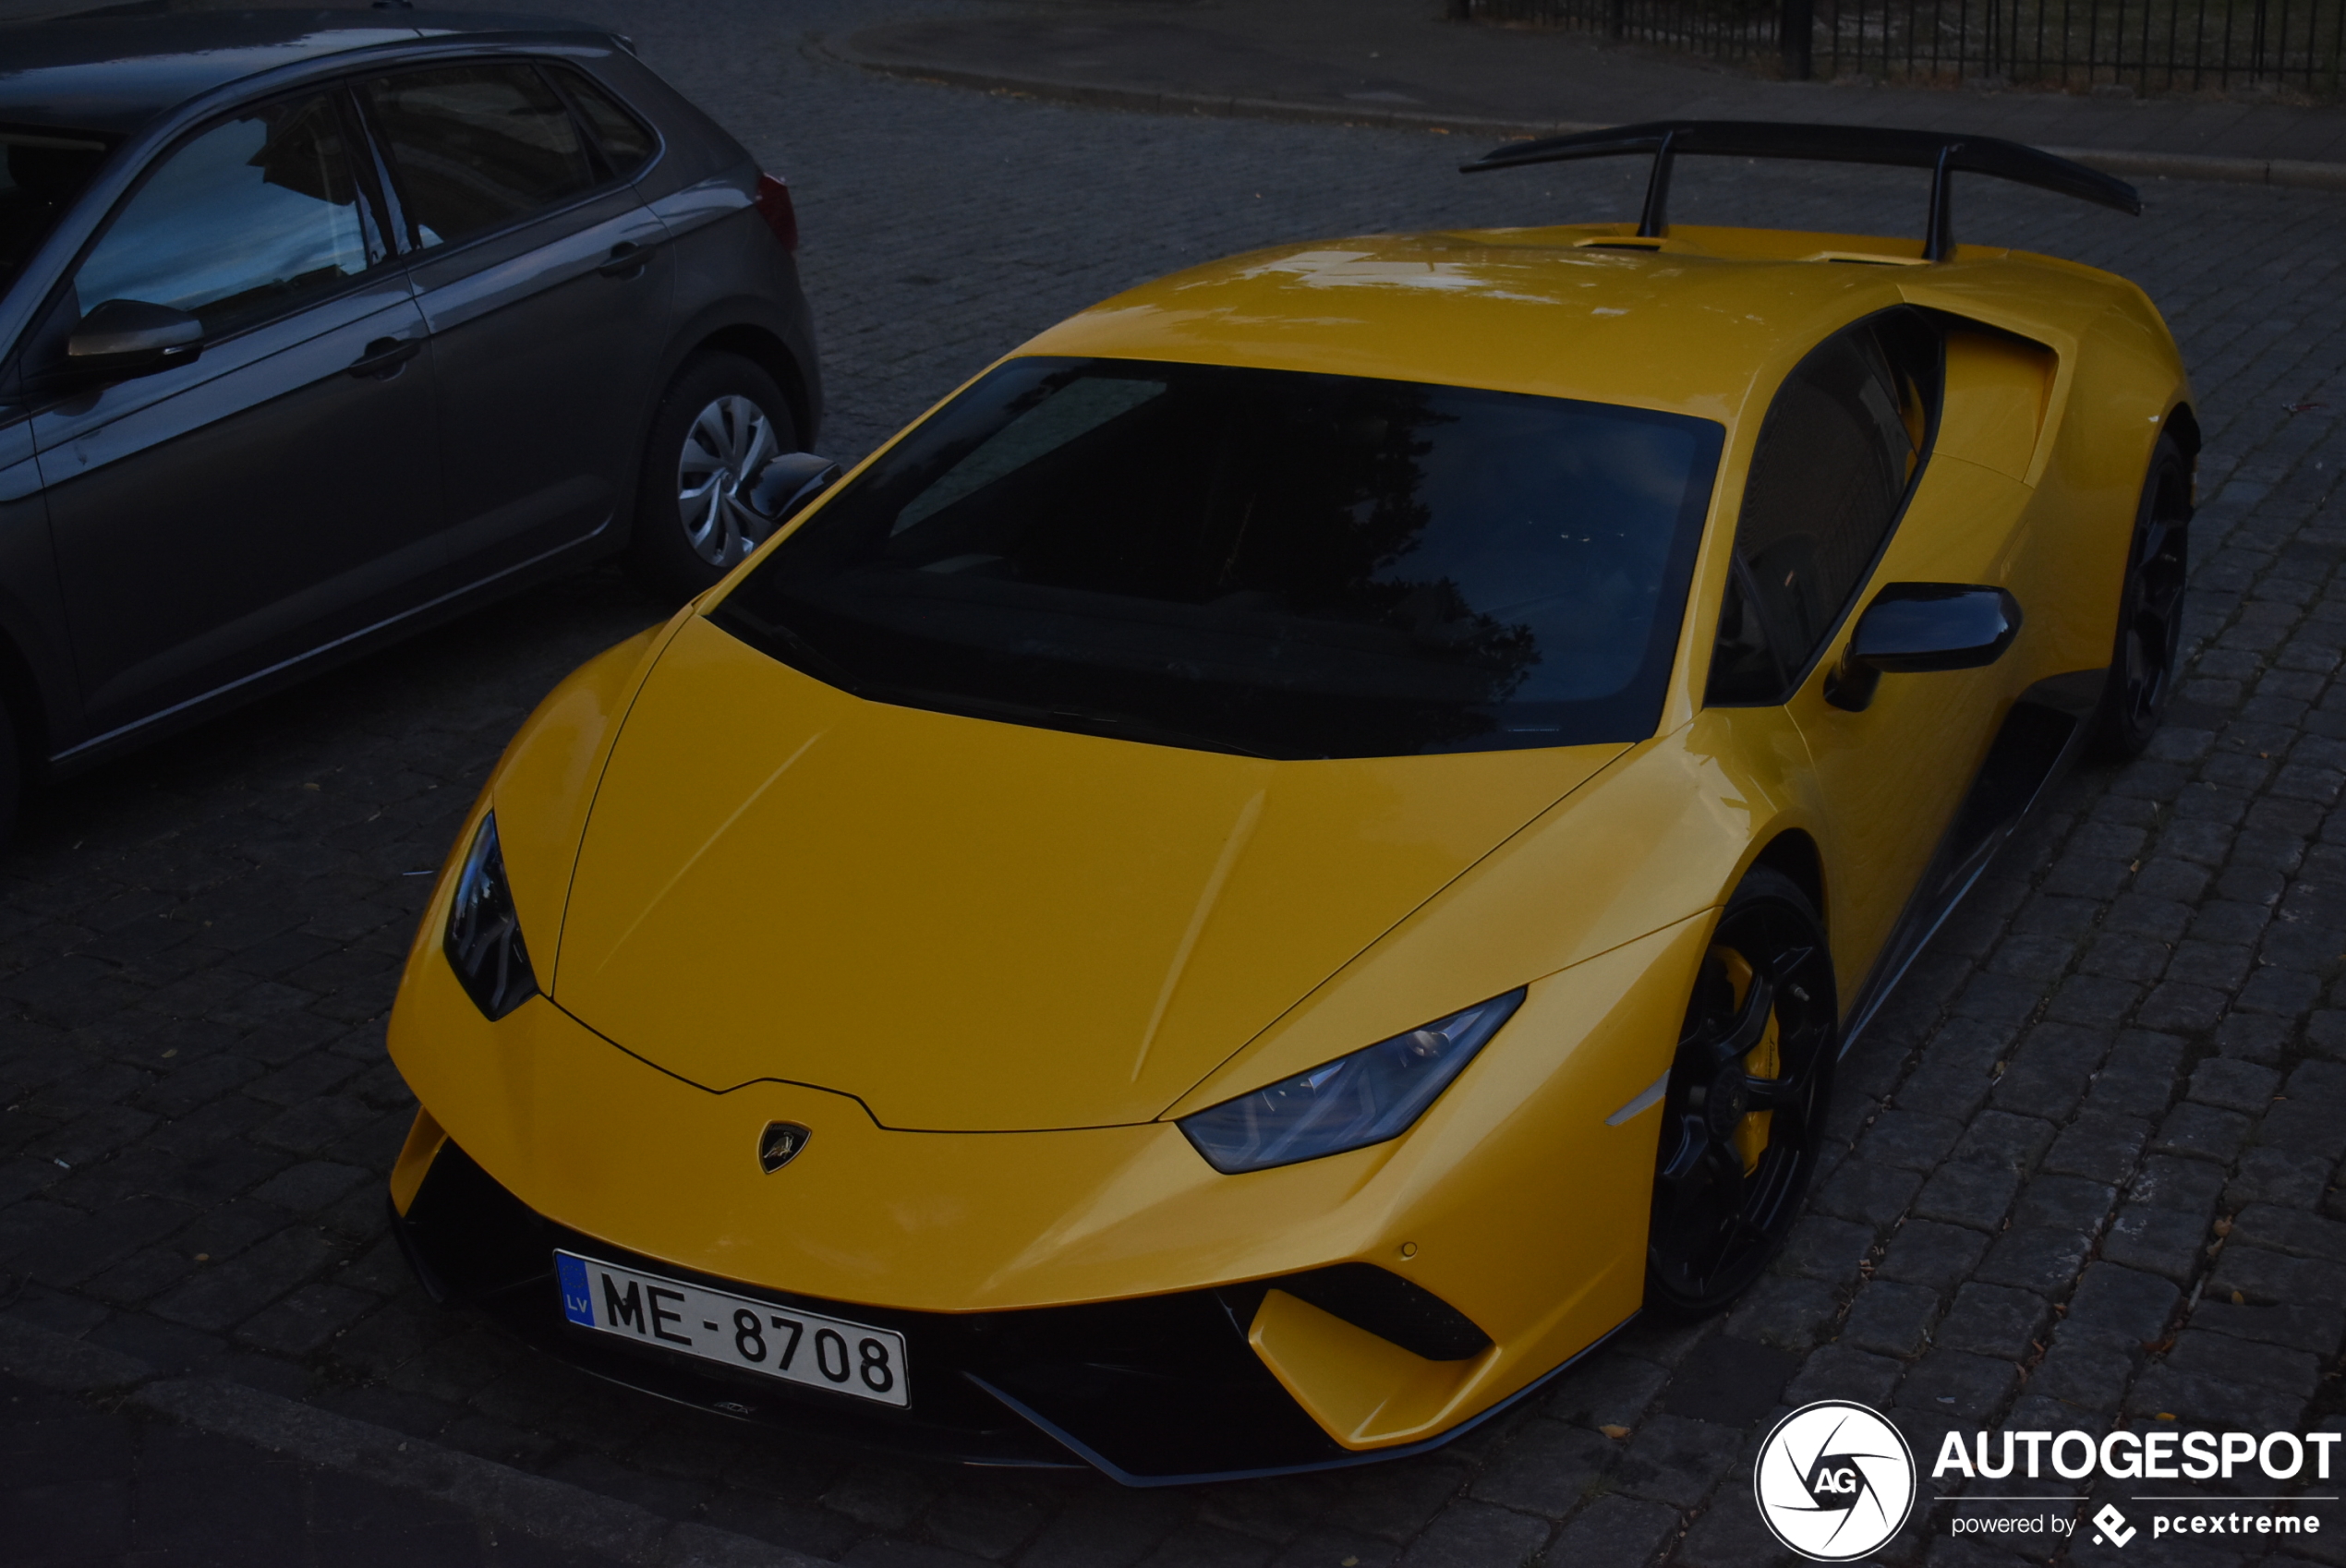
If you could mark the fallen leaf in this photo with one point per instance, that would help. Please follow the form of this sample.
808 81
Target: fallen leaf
2166 1415
2239 1300
1615 1433
2223 1226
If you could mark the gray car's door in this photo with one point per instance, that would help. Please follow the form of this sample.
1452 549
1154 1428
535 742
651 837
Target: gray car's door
546 284
220 518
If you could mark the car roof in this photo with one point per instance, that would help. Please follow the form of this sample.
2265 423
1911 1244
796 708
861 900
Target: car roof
112 72
1694 324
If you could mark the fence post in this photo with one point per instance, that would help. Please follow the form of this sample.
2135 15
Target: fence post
1616 17
1799 22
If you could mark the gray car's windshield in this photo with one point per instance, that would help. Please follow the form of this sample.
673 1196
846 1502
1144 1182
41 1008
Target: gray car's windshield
40 173
1264 561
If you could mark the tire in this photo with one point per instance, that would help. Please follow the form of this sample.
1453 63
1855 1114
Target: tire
721 420
1742 1117
2144 661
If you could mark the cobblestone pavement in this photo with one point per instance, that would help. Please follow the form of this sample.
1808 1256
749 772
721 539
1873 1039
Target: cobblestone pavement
2091 1150
88 1485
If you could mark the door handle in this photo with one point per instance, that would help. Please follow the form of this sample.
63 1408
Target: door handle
627 259
386 355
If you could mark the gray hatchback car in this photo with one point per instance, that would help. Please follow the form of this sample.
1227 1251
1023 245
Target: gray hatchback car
316 327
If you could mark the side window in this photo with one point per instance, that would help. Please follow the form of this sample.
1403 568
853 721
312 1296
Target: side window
40 175
625 140
247 219
478 148
1837 454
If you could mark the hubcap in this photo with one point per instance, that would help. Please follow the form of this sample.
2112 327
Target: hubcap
1744 1107
725 445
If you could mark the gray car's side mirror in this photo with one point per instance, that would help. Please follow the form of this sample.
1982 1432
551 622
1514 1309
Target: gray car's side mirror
788 483
1913 627
130 337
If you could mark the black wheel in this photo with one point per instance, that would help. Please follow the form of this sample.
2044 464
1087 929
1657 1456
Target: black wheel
2143 665
721 420
1743 1113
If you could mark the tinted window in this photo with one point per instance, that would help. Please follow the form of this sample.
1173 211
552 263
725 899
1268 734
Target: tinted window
40 175
1293 565
625 141
1837 454
478 147
248 218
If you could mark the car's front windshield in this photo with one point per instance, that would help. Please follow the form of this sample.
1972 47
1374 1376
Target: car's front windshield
40 173
1263 561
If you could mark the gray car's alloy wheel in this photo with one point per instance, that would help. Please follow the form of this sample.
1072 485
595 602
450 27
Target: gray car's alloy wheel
725 445
721 420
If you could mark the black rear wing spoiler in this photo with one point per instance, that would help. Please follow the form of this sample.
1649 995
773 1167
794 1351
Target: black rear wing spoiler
1943 154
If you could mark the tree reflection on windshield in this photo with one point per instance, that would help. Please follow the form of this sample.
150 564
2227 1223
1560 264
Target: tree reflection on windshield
1285 564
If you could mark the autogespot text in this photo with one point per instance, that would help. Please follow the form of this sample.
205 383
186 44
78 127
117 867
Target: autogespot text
2126 1457
2141 1457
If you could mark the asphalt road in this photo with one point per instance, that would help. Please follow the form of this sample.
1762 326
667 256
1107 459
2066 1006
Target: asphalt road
2093 1145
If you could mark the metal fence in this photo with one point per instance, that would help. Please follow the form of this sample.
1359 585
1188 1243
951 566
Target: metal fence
2224 47
1729 29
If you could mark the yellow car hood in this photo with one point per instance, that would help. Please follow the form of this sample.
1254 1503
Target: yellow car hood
978 926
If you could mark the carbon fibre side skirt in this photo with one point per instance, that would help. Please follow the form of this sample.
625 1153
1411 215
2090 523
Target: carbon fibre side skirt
2042 733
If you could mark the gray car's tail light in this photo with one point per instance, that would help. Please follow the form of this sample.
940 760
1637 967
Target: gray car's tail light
774 205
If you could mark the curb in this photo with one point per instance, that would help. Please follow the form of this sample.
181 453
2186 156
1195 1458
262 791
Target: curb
1092 95
2292 172
553 1512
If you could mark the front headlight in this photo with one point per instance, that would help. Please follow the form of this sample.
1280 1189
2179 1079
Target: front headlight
1351 1103
483 942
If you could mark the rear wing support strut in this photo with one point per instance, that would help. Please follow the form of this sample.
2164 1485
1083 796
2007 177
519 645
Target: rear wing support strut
1943 154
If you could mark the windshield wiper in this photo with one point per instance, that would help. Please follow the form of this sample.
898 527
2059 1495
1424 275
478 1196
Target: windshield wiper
812 660
1118 727
1090 721
823 667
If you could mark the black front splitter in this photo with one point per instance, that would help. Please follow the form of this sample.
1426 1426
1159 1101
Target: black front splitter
1157 1391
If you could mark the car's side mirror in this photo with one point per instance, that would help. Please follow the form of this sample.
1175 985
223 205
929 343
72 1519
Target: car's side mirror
1914 627
788 483
123 338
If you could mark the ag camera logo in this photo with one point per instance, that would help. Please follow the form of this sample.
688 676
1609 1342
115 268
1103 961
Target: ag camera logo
1835 1481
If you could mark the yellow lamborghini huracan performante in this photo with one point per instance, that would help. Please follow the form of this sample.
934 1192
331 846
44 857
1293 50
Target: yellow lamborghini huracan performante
1304 847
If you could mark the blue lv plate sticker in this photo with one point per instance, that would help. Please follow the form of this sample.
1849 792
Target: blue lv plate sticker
578 1300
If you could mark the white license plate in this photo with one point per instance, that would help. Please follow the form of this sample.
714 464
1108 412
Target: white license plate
756 1336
